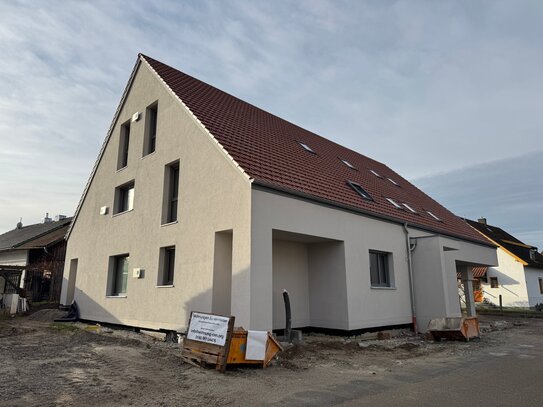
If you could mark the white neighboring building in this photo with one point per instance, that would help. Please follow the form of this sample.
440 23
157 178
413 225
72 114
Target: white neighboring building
518 278
201 201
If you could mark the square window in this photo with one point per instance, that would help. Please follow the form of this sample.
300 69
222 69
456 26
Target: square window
124 142
124 198
118 274
409 207
380 274
149 139
348 164
433 216
360 190
394 203
166 266
494 282
306 147
394 182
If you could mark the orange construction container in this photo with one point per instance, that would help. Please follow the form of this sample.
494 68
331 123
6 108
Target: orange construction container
236 355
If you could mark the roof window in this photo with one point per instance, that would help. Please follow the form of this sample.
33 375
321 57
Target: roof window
394 203
360 190
409 207
306 147
394 182
433 216
348 164
376 173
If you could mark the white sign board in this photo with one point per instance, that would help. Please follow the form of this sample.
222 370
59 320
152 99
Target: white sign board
208 328
256 345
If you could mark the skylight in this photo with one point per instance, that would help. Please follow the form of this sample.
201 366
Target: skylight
347 163
433 216
409 207
360 190
376 173
393 202
394 182
306 147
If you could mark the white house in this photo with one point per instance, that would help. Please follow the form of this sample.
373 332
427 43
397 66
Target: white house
518 277
201 201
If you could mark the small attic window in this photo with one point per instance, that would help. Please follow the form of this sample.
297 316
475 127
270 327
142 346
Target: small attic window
361 191
376 173
348 164
394 203
306 147
394 182
409 207
433 216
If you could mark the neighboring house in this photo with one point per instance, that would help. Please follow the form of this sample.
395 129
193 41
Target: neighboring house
518 278
32 259
201 201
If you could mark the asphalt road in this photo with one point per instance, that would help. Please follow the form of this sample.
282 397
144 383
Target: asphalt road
508 375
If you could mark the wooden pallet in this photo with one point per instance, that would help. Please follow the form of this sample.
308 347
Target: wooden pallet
199 353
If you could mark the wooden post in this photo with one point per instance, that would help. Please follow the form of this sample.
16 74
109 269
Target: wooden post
501 304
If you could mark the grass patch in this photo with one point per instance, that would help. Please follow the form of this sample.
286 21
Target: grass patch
63 327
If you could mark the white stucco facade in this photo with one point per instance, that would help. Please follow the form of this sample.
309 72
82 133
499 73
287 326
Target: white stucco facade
518 284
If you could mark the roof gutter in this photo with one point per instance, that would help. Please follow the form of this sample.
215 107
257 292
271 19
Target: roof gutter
269 186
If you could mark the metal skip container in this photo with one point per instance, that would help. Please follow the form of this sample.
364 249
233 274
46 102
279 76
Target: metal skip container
238 349
456 328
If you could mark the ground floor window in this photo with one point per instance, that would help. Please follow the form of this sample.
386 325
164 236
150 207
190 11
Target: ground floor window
167 265
379 269
118 274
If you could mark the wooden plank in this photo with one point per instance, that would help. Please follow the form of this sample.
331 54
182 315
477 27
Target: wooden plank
202 357
223 358
201 346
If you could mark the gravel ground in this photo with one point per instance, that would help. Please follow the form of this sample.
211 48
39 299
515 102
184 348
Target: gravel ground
45 363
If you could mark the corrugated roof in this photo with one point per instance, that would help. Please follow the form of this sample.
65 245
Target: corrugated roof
510 243
36 235
268 149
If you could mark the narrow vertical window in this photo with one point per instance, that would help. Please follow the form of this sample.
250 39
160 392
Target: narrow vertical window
540 285
149 138
171 193
124 142
167 266
118 274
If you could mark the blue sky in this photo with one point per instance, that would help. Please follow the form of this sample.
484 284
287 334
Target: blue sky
447 93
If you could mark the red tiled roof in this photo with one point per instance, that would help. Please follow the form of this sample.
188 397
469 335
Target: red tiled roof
267 148
479 272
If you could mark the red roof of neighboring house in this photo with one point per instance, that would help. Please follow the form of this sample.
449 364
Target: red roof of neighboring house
268 149
479 272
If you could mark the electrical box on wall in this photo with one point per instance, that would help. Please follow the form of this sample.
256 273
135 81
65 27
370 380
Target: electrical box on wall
137 273
104 210
136 117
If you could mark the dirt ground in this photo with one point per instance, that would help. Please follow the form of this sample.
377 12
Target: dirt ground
45 363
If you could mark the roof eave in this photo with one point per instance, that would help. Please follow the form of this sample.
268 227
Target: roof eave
269 186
